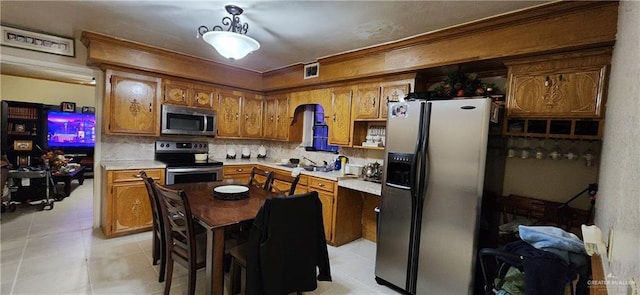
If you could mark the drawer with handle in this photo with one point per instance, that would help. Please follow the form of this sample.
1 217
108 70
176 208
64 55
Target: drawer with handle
321 184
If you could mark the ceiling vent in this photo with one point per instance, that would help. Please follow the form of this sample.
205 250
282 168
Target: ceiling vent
311 70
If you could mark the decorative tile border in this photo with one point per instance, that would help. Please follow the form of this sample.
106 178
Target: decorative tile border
24 39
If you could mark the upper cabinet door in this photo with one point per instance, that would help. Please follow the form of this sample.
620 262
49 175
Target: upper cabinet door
271 110
367 102
203 96
564 94
392 92
282 119
229 114
569 85
131 104
252 107
176 92
276 121
340 117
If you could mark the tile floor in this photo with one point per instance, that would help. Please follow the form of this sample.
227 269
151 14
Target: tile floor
58 252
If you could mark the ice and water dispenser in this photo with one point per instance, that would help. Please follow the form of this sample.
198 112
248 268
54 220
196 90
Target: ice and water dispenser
399 169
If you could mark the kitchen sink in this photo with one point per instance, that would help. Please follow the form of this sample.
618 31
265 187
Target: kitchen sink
316 168
307 167
290 165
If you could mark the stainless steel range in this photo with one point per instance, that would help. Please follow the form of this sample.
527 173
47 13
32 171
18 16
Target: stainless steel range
182 166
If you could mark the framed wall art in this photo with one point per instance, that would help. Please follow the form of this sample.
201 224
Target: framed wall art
66 106
19 128
22 145
47 43
88 110
23 161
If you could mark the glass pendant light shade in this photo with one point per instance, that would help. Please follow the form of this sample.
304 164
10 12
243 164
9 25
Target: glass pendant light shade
231 45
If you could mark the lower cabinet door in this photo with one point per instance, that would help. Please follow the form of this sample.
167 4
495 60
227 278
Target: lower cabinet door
327 212
131 208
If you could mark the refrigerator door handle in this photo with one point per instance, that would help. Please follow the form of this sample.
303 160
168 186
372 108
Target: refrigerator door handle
424 156
413 174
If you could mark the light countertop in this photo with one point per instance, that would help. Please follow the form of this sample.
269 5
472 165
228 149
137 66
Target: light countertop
349 182
132 164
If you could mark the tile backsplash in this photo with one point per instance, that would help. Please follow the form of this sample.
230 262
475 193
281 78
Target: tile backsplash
142 148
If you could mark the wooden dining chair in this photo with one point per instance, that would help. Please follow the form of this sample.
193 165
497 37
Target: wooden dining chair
284 184
260 178
158 239
182 243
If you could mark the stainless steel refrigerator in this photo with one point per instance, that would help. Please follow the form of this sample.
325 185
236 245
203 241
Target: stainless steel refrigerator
431 195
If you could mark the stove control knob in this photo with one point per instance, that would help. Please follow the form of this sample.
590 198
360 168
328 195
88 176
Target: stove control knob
162 145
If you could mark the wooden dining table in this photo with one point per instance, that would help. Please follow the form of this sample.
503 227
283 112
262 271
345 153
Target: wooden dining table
216 216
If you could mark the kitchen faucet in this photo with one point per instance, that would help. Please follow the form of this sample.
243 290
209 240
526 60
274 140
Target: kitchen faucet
312 162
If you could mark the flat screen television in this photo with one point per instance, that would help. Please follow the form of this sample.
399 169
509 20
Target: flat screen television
66 130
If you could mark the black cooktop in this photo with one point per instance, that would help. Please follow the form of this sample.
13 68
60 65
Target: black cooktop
187 162
183 153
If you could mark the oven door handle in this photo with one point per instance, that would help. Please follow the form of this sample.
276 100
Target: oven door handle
191 170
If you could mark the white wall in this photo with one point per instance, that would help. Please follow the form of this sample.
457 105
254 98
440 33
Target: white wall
618 203
47 92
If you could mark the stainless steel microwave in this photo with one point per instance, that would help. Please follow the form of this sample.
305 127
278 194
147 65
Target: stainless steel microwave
181 120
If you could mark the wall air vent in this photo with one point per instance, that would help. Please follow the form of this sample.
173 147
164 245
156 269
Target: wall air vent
311 70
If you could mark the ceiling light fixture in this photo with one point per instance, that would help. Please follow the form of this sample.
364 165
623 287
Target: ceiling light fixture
231 43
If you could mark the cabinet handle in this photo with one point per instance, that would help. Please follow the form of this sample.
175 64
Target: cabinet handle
278 118
246 117
373 101
320 184
150 107
237 116
334 117
547 81
239 169
271 119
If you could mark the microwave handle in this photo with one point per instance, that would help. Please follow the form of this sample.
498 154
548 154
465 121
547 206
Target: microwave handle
204 126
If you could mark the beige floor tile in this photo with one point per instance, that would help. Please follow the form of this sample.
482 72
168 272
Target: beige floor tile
11 251
36 266
59 252
64 280
48 245
119 268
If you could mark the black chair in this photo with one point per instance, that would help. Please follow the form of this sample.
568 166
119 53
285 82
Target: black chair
284 184
296 248
260 178
159 240
182 245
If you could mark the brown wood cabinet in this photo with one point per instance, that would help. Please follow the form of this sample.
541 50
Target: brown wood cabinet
240 114
241 172
189 94
276 121
340 117
301 187
366 104
125 202
326 189
372 99
392 92
569 85
131 104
